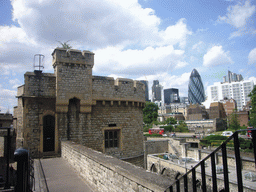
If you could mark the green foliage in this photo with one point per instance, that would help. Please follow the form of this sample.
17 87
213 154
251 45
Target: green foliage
167 128
253 109
217 140
182 127
150 112
234 122
65 45
171 121
153 135
215 137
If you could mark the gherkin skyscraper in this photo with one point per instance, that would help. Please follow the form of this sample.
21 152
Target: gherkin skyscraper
195 88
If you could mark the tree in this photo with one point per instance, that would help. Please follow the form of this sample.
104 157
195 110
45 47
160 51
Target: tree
182 127
233 121
171 121
252 121
65 45
150 112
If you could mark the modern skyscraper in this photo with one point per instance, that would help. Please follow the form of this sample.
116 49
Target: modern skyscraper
195 88
146 89
171 96
232 77
156 91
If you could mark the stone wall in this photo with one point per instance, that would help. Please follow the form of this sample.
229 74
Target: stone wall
197 154
106 88
39 84
119 116
162 166
33 123
107 173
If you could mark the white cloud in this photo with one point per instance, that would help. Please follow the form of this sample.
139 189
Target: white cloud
136 62
252 79
216 56
92 24
169 81
7 99
198 46
95 23
238 16
252 57
15 83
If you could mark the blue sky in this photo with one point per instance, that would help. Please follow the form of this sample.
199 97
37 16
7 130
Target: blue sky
145 39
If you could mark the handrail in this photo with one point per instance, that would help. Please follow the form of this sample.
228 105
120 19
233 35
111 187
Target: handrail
225 167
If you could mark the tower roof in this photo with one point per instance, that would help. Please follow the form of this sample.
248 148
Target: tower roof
194 73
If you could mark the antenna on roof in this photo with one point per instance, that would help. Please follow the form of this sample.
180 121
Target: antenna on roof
38 62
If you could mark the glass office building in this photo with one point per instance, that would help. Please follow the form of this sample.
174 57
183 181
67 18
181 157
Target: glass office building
195 88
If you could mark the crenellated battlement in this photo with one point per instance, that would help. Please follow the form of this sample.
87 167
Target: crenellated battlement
72 56
121 89
79 107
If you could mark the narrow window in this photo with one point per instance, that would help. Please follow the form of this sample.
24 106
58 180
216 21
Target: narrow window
111 138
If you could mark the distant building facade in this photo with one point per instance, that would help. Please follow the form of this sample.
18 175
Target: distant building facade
6 120
195 88
238 91
156 91
232 77
197 112
217 111
171 96
146 89
184 100
229 105
71 104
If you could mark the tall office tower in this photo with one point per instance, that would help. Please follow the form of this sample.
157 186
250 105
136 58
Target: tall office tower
195 88
146 89
184 100
156 91
238 91
171 96
232 77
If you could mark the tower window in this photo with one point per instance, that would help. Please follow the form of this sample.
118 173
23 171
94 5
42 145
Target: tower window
112 138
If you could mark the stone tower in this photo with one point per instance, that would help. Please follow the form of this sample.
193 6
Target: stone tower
99 112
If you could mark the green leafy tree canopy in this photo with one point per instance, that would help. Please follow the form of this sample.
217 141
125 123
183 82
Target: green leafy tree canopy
253 109
234 122
150 112
171 120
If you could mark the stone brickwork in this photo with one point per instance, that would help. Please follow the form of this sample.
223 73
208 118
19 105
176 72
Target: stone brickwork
111 174
83 107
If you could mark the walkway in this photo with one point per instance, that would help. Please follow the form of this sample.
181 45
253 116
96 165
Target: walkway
60 176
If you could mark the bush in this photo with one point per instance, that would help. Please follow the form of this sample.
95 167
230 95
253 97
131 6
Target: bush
168 128
153 135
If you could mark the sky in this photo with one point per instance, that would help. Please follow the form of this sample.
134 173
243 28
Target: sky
138 39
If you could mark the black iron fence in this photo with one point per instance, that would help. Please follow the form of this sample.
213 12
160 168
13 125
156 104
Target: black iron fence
190 182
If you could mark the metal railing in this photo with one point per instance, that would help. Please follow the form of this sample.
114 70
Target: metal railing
214 187
25 171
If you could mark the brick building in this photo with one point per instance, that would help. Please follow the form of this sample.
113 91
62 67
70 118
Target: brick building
72 104
229 105
196 112
217 111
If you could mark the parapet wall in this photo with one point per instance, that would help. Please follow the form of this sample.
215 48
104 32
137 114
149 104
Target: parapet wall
107 173
39 84
106 88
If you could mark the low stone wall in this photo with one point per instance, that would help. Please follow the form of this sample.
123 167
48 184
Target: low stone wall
162 166
175 145
107 173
